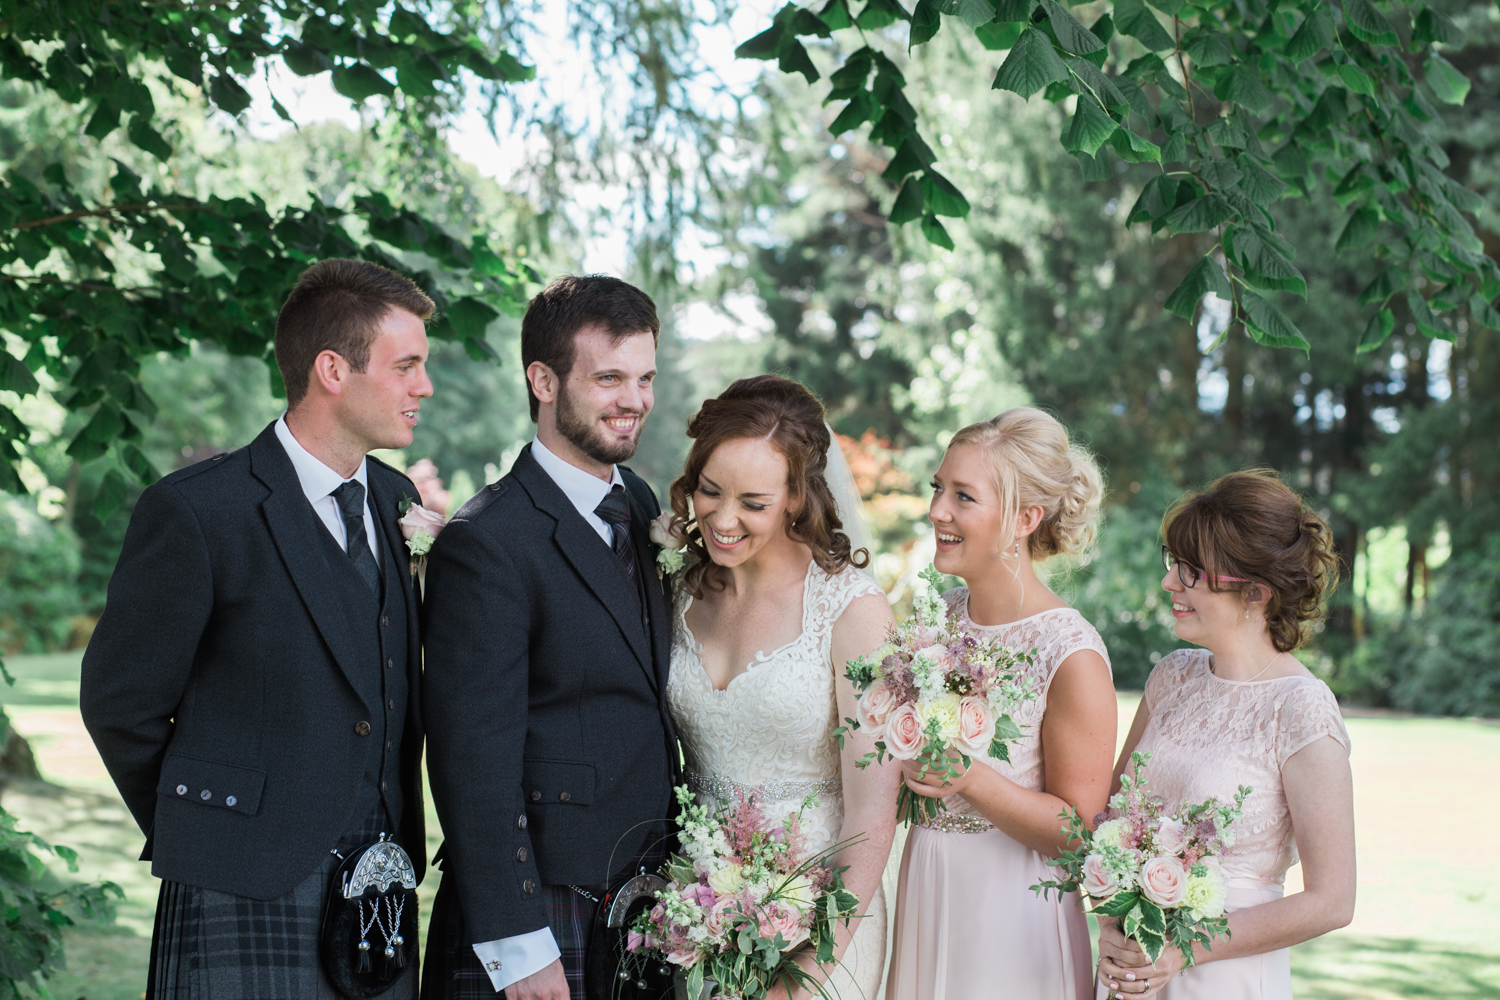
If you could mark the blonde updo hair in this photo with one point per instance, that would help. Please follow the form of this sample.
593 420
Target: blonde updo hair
1035 465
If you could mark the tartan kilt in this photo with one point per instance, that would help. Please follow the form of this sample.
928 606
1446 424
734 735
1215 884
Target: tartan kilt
451 970
209 944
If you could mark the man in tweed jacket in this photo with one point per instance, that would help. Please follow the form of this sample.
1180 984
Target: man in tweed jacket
253 684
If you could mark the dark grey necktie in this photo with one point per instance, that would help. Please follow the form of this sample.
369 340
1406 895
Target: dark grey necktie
351 499
614 510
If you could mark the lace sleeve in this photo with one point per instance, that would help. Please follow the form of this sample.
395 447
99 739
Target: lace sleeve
1166 675
1310 714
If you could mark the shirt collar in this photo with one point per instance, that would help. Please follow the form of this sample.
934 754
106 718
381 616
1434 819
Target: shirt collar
317 479
584 489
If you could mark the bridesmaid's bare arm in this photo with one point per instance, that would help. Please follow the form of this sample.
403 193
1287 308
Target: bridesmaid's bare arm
1078 736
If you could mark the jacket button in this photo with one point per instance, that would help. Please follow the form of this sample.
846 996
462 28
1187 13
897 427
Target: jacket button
383 786
536 796
563 796
391 705
528 887
389 663
521 822
385 621
388 746
182 789
230 802
361 728
521 855
205 795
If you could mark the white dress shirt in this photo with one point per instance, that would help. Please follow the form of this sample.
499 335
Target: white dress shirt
319 481
509 960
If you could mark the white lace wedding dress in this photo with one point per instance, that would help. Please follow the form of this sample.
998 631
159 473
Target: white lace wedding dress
771 732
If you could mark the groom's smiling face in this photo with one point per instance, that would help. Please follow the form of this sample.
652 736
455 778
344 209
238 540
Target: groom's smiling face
601 407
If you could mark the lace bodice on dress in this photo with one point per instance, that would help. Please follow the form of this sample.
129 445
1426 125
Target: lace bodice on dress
771 729
1207 736
1055 635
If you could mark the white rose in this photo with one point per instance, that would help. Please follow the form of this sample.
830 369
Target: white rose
1111 833
666 533
726 881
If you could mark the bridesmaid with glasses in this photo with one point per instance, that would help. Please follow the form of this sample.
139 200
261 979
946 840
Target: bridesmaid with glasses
1248 565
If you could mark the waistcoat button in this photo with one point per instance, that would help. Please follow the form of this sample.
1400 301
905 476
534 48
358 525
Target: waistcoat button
521 822
205 795
182 789
536 796
528 887
521 855
563 796
361 728
230 802
385 621
389 664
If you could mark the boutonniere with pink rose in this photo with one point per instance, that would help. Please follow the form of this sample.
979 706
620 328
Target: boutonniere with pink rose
668 536
420 527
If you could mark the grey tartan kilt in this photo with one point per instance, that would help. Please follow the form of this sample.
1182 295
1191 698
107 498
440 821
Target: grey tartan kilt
210 944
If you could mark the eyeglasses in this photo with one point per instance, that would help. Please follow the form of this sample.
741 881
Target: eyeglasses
1190 574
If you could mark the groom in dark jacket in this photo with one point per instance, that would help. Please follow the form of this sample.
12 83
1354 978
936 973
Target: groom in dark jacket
551 753
253 683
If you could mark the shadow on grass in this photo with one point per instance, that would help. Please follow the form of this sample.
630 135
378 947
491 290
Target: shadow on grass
1348 967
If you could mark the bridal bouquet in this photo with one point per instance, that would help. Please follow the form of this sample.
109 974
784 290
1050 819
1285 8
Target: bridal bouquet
1156 872
936 687
742 894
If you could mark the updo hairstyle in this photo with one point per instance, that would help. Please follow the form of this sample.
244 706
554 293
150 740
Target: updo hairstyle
1035 465
1252 525
789 416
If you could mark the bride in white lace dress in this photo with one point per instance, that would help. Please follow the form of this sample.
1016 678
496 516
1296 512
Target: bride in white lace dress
767 615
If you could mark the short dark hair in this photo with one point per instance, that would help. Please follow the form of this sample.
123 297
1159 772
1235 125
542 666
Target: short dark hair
570 303
337 306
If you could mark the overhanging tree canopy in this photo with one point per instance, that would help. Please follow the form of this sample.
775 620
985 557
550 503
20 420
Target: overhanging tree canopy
1239 102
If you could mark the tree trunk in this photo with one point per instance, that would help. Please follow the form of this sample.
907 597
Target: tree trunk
1234 402
1416 563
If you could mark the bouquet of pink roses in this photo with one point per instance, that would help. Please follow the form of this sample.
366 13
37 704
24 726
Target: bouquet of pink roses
1156 872
936 686
742 895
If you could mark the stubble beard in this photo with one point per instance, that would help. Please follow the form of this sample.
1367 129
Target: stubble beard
583 433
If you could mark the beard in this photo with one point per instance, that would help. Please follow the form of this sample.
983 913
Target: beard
582 430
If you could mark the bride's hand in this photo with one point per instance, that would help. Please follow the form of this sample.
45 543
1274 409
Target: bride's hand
936 784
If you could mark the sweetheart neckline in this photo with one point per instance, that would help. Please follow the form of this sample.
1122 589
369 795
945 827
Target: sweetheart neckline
760 659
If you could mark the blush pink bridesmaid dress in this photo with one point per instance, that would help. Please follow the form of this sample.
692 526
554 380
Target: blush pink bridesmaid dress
967 925
1207 736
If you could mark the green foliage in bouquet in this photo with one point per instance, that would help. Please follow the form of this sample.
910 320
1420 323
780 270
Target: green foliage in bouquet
1239 104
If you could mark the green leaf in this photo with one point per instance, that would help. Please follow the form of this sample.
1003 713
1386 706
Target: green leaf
1133 148
1450 86
835 14
1071 35
1357 79
1376 330
975 13
926 19
997 36
909 159
1090 127
1208 46
1152 918
1360 230
908 204
1031 65
470 317
145 137
1121 904
1269 325
1264 265
15 376
1243 86
1315 34
226 92
861 108
140 466
935 233
1200 214
1368 24
1262 187
1095 168
1482 312
794 59
942 197
1102 86
1133 18
1221 175
111 495
1157 198
104 120
1387 283
360 81
1434 26
1206 276
1427 322
763 45
880 13
1017 11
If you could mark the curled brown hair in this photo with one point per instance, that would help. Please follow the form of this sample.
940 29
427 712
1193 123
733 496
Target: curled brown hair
787 414
1252 525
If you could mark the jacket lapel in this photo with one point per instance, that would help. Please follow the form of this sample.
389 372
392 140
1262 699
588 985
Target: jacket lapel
594 561
293 525
657 606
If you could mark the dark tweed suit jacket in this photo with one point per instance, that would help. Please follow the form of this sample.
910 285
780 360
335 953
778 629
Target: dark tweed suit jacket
224 661
550 748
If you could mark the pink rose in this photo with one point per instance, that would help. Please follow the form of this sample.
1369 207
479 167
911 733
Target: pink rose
1097 881
873 707
976 726
634 941
1172 837
924 635
666 533
784 920
1164 881
685 958
418 520
936 654
721 916
904 737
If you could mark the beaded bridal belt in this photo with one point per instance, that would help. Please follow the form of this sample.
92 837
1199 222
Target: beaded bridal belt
725 788
951 823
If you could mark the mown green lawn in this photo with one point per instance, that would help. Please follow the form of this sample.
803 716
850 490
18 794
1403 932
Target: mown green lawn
1427 923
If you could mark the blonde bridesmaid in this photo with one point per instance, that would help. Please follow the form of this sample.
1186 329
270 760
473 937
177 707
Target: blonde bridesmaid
1010 493
1248 565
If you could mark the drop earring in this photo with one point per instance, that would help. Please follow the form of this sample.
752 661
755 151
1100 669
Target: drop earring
1018 548
1247 614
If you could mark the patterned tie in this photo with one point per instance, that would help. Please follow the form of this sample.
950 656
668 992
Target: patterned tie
614 510
351 500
